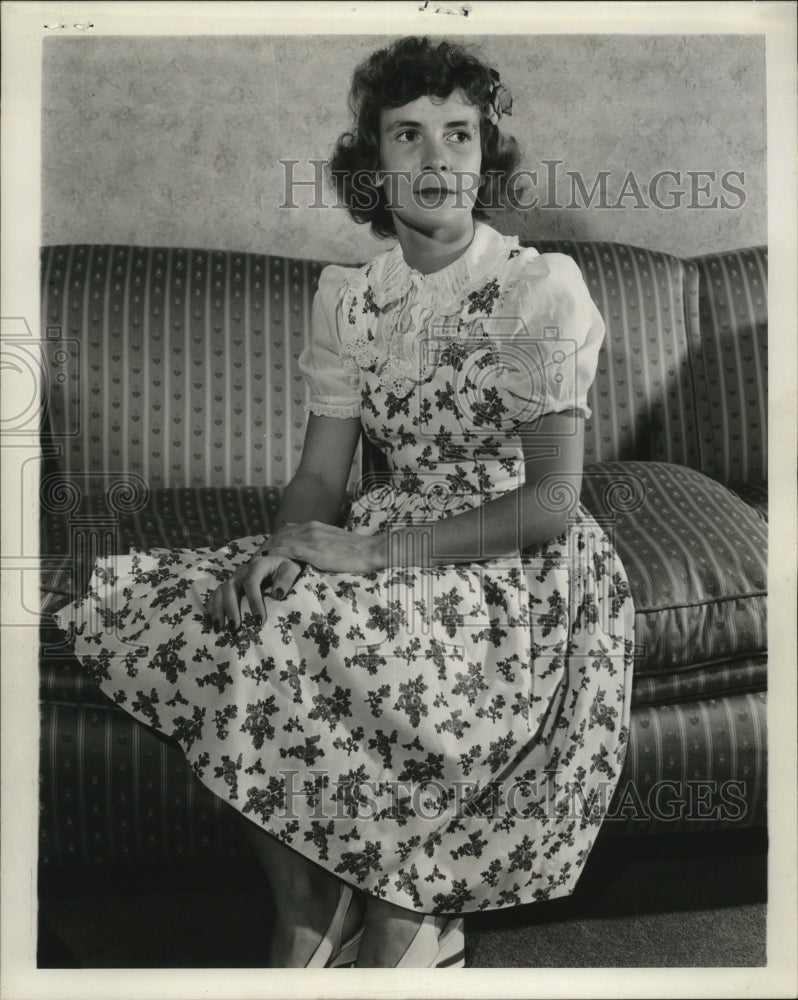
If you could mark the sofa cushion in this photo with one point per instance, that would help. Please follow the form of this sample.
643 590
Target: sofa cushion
642 395
728 323
695 555
728 677
756 495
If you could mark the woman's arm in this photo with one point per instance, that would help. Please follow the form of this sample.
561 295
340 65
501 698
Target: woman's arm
316 492
535 512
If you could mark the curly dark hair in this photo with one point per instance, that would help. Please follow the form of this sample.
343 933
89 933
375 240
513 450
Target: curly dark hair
408 69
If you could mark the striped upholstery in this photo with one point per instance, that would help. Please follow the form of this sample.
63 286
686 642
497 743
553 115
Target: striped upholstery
696 558
642 397
731 675
176 365
714 749
729 325
113 792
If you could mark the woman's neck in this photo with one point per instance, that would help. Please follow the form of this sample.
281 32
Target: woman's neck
429 251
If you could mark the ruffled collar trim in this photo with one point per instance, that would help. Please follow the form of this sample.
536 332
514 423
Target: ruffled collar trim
391 278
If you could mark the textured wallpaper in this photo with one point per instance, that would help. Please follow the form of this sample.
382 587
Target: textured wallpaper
177 141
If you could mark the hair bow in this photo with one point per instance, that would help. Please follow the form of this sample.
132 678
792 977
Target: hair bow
501 100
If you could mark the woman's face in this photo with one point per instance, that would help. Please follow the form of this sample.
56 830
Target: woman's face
430 159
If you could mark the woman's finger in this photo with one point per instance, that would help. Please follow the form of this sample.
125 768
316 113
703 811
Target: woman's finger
253 584
216 609
286 576
267 572
231 601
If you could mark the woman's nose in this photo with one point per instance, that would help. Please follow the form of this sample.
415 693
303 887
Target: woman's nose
435 157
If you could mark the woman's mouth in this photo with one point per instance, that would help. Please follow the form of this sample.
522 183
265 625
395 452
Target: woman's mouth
431 193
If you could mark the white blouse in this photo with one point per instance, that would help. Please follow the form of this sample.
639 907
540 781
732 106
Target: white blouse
534 308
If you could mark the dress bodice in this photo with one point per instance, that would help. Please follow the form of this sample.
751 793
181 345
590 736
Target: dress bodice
445 368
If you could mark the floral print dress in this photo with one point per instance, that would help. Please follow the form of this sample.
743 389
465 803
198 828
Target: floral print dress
447 739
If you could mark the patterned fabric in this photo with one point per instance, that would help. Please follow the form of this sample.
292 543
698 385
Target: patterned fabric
728 323
421 700
114 793
727 677
178 366
101 800
61 678
696 555
643 396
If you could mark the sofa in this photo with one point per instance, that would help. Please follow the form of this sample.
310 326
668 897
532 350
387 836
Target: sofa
173 416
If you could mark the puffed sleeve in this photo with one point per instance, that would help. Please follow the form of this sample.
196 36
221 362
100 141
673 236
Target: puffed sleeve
550 332
331 392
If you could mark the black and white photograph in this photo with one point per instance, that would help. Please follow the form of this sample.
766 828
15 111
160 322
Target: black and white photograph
392 433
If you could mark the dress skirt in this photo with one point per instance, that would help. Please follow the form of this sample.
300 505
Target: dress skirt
447 739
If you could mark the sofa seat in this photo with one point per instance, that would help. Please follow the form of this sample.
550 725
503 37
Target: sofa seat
115 793
118 794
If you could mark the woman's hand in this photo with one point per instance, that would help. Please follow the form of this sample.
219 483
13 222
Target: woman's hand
328 548
224 604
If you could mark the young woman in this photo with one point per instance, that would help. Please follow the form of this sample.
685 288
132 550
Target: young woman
423 712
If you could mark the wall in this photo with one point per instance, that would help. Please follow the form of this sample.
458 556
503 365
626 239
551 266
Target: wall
177 140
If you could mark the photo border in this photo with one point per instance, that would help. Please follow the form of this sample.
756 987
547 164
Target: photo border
24 27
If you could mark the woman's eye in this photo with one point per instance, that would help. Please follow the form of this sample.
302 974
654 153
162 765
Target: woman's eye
407 135
461 136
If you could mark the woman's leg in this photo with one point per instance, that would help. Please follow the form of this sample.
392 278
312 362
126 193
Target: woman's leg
305 898
389 931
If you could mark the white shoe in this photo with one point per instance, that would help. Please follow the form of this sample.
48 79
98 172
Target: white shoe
331 952
434 948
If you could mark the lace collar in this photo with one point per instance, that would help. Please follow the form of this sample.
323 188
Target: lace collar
391 278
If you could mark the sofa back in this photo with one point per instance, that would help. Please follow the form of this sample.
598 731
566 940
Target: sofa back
180 366
181 363
729 323
642 395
